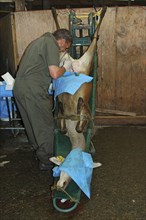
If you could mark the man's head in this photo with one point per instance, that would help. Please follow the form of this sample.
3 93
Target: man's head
64 39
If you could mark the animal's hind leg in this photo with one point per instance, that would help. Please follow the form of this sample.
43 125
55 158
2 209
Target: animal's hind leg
84 112
77 140
61 121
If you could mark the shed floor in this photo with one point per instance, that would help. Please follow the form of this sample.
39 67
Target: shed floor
117 191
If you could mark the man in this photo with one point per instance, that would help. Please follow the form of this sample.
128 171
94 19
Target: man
38 65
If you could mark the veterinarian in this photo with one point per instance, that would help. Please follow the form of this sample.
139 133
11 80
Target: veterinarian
40 63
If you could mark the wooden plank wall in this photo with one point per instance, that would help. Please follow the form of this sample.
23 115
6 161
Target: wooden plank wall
6 45
28 26
31 24
121 82
122 60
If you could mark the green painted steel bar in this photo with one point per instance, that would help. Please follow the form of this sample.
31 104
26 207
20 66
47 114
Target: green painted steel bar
92 101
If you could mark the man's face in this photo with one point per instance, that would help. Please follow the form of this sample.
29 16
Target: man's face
63 45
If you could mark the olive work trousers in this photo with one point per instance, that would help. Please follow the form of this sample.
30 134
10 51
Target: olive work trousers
36 112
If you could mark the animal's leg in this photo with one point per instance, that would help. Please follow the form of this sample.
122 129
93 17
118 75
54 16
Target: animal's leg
61 121
64 180
84 112
77 140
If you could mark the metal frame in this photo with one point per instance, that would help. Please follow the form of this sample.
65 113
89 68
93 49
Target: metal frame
14 120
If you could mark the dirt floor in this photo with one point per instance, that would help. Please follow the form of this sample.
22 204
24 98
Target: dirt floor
117 191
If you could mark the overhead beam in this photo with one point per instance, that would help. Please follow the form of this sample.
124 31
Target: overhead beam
19 5
46 4
6 1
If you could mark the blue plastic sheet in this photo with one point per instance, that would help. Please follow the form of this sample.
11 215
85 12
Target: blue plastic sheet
79 166
4 92
3 107
70 82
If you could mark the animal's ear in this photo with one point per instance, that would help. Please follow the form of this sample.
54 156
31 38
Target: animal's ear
80 105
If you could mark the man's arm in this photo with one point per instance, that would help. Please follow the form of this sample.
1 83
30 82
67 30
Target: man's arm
56 71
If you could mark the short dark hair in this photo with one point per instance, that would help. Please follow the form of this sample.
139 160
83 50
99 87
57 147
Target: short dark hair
63 34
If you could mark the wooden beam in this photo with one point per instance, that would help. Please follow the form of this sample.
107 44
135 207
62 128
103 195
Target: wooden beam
120 120
46 4
54 14
19 5
6 1
115 112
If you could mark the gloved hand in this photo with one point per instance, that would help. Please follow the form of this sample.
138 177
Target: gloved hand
75 66
51 89
68 65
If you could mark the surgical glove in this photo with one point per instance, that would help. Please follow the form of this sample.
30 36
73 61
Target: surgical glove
68 65
75 66
51 89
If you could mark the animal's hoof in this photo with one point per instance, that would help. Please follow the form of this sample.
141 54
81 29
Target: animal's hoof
79 130
61 184
80 127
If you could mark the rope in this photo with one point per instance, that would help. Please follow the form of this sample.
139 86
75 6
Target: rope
75 117
55 187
